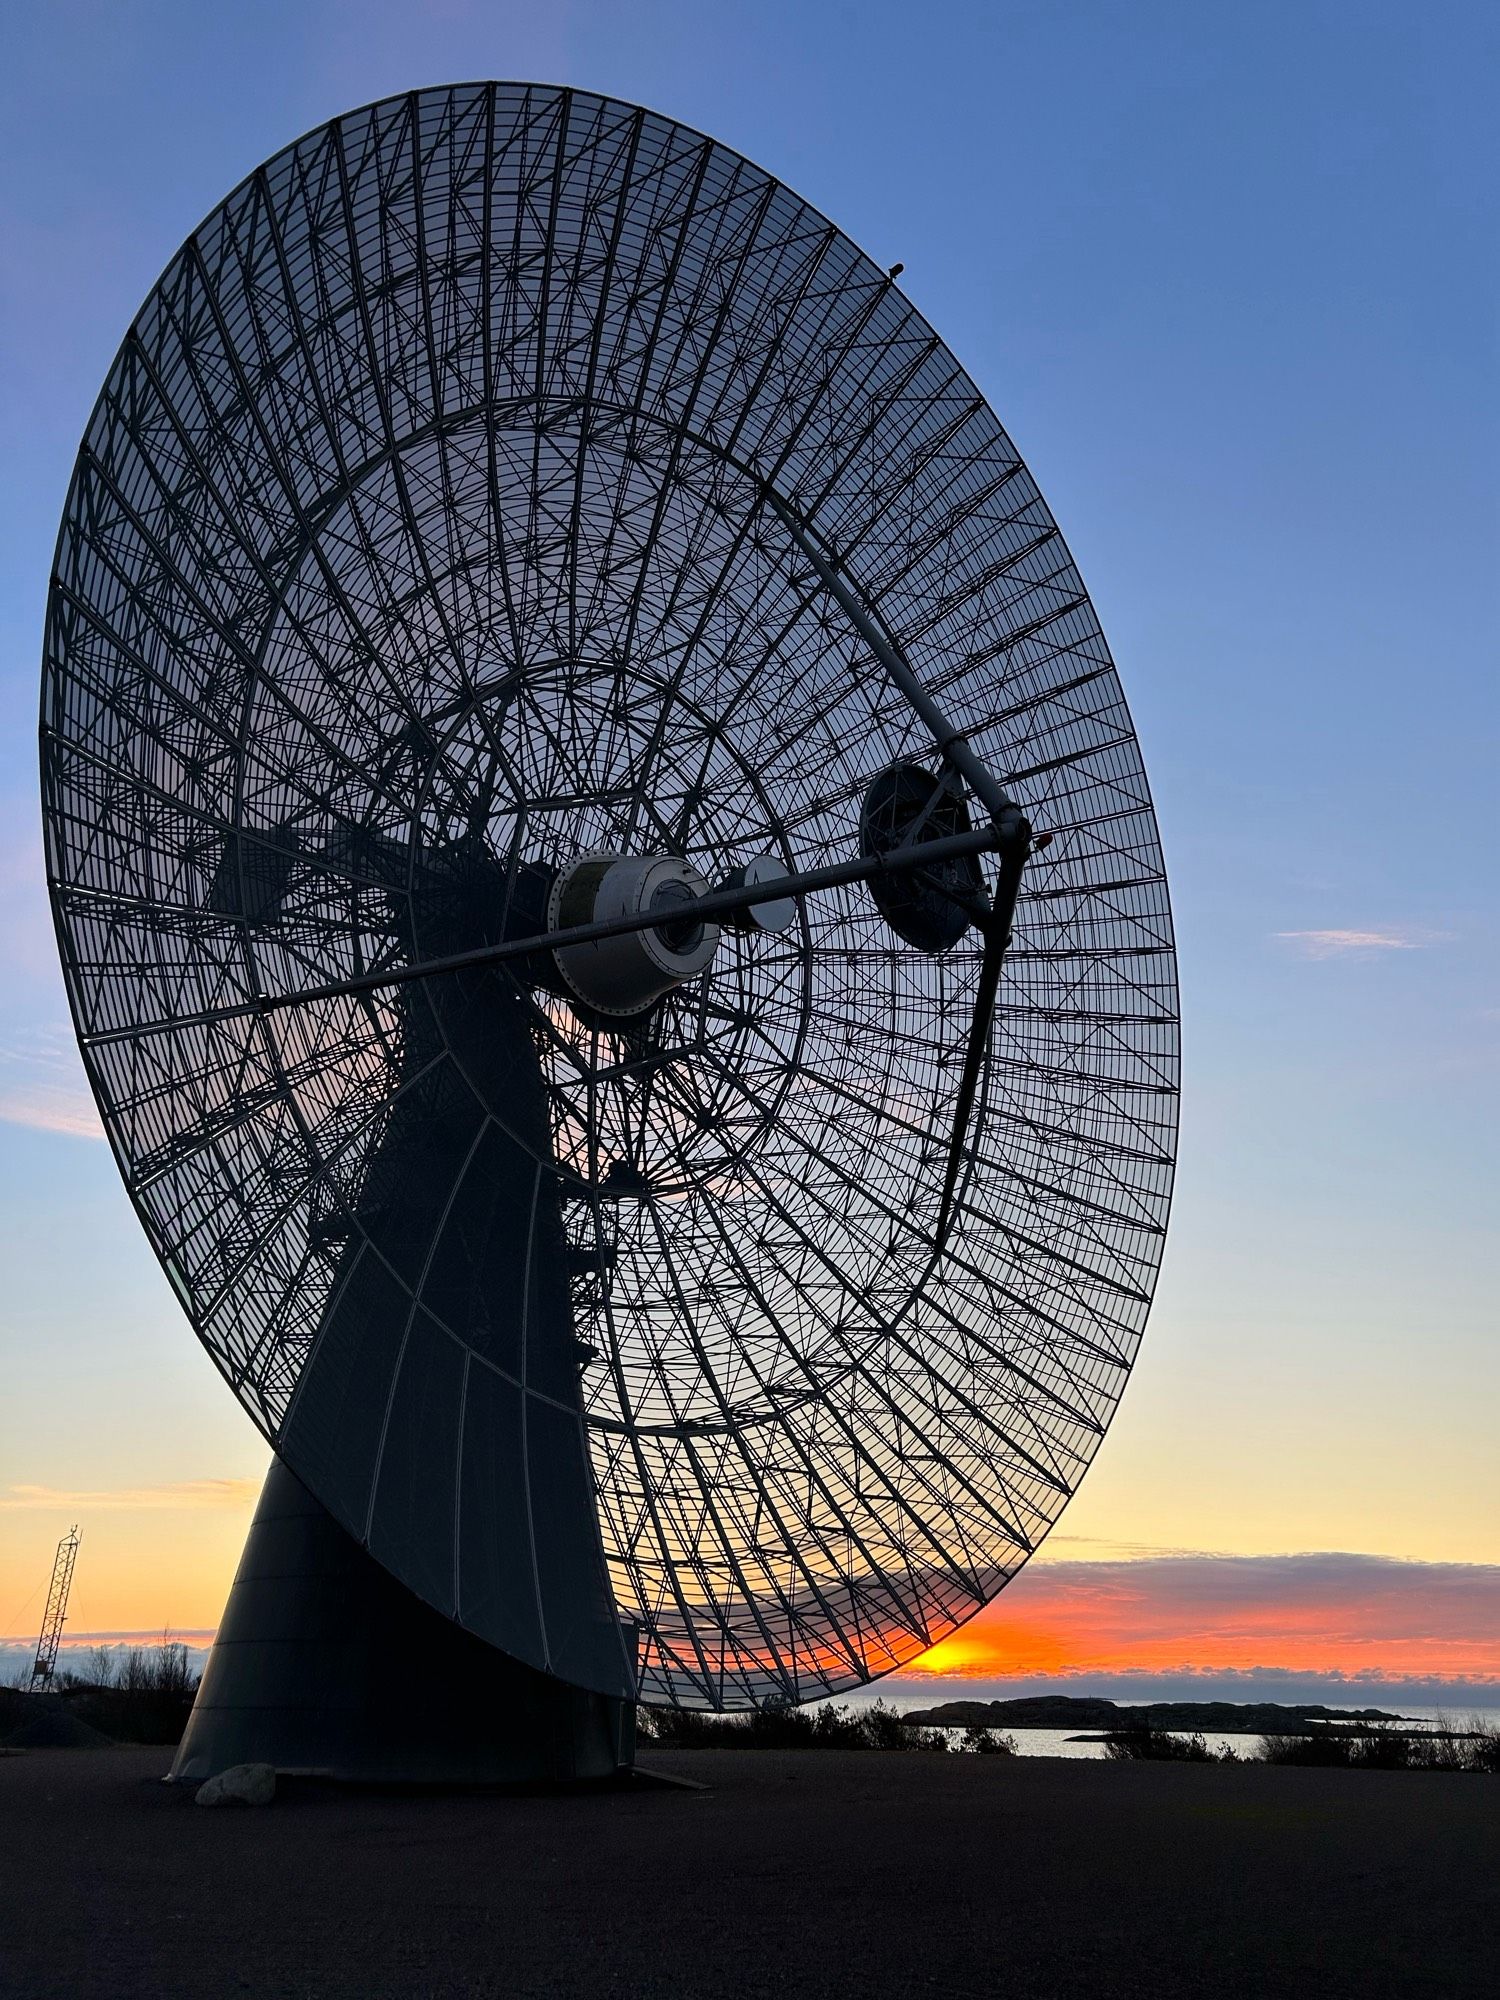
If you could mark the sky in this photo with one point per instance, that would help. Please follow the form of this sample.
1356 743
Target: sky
1228 277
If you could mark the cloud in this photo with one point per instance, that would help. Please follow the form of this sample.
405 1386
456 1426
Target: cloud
1062 1547
198 1636
1332 1615
42 1084
18 1650
47 1109
1360 944
25 917
193 1494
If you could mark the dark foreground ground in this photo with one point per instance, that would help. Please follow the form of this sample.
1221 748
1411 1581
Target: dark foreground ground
819 1873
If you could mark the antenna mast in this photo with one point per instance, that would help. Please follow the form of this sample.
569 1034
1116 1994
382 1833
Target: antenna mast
57 1610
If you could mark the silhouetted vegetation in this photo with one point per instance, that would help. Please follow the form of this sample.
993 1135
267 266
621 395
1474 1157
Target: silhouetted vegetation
833 1726
1473 1746
161 1669
988 1742
1161 1746
127 1694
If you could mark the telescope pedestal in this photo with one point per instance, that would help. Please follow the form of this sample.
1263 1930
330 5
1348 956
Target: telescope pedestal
325 1666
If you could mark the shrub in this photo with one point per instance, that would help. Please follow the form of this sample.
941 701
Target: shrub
779 1726
136 1694
1474 1746
1484 1747
161 1669
989 1742
1160 1746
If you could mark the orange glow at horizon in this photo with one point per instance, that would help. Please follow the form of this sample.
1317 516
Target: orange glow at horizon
1342 1615
151 1558
155 1557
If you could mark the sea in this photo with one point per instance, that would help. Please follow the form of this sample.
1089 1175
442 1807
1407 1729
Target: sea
1452 1714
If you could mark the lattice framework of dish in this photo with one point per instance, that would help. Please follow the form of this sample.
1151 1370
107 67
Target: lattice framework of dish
423 517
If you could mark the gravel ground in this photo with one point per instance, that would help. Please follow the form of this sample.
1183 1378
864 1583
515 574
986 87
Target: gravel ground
817 1873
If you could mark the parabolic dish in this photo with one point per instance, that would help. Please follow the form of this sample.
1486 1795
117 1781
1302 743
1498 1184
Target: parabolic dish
422 536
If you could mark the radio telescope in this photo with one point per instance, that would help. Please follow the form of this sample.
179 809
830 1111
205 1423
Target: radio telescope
613 913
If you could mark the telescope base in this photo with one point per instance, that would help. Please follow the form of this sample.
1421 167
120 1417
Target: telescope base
326 1667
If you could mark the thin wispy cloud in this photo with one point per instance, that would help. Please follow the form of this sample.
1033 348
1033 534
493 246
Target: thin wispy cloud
184 1494
25 918
1062 1547
1359 944
45 1109
42 1084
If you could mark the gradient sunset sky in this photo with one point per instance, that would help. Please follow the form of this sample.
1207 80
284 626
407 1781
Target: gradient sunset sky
1228 277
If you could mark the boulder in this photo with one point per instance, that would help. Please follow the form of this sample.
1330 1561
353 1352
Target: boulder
240 1785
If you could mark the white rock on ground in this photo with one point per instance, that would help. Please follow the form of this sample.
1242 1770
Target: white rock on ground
240 1785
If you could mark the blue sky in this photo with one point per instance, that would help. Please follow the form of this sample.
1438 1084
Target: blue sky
1229 278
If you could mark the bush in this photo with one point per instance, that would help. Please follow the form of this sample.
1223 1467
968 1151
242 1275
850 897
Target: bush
1484 1747
1160 1746
779 1726
161 1669
989 1742
1474 1746
137 1694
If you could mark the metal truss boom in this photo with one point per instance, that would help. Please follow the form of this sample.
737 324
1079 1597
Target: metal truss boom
57 1611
